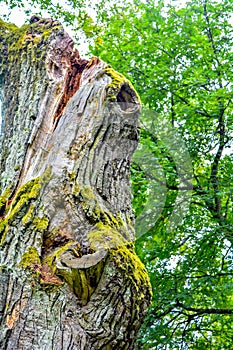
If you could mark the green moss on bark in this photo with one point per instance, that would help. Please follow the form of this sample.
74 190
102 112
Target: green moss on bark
118 80
124 256
4 197
51 259
105 237
28 217
19 37
132 267
96 214
18 209
25 194
30 39
41 223
40 273
30 258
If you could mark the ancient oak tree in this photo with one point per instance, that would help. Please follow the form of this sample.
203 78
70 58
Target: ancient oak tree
69 276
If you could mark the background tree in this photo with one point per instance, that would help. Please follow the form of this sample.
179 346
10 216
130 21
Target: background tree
69 276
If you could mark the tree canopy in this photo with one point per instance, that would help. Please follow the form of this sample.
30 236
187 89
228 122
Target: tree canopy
179 58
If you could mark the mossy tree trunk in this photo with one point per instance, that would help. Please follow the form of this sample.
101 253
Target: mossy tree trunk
69 277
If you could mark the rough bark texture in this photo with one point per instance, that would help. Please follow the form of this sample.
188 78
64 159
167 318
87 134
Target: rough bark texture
69 277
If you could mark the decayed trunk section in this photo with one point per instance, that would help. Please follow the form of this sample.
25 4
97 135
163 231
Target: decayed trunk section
69 277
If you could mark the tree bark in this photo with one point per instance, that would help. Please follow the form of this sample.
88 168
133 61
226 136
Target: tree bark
69 276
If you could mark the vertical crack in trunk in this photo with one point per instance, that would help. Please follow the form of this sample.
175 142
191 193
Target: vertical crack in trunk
71 84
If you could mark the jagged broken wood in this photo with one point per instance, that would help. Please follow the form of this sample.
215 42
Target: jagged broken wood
69 276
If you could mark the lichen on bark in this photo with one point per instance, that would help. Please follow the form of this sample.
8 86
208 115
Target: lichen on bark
67 255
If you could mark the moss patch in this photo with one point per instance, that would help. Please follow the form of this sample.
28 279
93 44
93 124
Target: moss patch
18 38
30 39
50 260
124 256
18 208
105 237
25 194
132 267
117 78
28 217
3 232
46 33
30 258
11 31
117 82
41 273
4 197
95 213
41 223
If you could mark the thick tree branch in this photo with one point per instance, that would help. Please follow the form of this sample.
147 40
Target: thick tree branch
200 311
